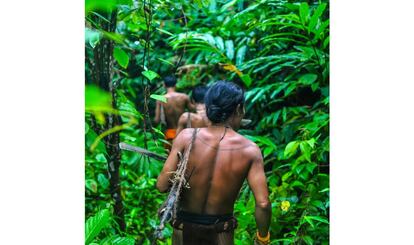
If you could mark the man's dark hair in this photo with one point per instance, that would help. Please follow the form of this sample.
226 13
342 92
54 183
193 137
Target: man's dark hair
222 99
170 81
198 93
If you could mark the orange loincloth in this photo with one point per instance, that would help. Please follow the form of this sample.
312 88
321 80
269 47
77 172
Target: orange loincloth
170 133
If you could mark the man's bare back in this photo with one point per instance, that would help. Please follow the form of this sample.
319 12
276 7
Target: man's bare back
175 106
217 169
196 120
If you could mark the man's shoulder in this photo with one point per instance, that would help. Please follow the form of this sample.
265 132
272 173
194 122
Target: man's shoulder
249 147
181 95
184 136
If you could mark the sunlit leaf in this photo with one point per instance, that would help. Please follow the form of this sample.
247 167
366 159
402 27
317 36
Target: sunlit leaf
291 148
315 17
95 224
100 5
241 52
308 79
150 74
121 57
229 49
159 97
103 181
219 43
96 98
91 185
92 37
304 12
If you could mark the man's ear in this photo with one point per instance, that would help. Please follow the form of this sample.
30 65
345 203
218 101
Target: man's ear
239 110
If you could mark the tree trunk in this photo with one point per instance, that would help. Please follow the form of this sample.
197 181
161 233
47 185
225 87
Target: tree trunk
102 74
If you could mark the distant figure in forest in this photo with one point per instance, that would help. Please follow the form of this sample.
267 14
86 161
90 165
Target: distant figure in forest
219 162
169 113
198 119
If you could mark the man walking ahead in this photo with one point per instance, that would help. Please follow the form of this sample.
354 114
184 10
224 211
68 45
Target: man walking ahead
171 111
219 162
198 119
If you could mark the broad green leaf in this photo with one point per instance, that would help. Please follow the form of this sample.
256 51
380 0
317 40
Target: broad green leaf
121 57
298 169
289 89
308 79
311 142
311 166
321 29
304 12
100 5
248 9
326 42
86 127
246 80
150 74
318 218
116 37
286 176
297 183
159 97
91 185
315 17
95 224
309 220
96 98
103 181
101 158
219 43
267 151
227 5
308 240
92 37
284 114
291 148
306 150
241 52
229 49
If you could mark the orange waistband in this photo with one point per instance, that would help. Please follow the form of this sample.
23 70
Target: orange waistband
170 133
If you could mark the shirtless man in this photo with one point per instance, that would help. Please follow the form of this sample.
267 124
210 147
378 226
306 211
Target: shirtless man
198 119
171 111
219 162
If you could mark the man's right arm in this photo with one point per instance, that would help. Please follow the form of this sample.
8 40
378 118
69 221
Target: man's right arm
257 182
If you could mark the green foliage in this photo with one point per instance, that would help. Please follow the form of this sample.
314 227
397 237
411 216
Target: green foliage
95 224
279 50
121 57
159 97
150 74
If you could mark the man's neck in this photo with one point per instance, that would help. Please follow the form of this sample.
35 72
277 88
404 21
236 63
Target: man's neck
170 90
200 108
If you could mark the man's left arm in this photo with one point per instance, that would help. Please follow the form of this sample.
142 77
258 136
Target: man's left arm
157 112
